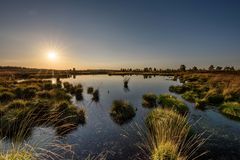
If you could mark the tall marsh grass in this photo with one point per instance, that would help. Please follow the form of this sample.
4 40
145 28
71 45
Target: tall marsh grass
169 138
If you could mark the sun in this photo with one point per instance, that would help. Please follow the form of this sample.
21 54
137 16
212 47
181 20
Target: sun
52 55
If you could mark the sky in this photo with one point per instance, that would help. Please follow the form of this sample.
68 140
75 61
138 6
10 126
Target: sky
113 34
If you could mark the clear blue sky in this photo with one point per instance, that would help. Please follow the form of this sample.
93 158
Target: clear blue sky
123 33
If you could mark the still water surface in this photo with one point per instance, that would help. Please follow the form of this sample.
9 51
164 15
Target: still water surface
102 134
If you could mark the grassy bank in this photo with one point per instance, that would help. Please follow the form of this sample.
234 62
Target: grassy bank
209 89
231 109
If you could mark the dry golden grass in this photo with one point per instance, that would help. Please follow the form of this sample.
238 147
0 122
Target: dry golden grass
224 83
169 137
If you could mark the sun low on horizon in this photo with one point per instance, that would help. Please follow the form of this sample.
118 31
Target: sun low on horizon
52 55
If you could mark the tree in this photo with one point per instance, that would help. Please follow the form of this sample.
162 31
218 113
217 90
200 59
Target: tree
194 68
211 68
232 68
182 67
218 68
227 68
145 69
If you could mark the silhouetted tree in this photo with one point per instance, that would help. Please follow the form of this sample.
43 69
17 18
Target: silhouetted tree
182 67
218 68
145 69
211 68
227 68
194 68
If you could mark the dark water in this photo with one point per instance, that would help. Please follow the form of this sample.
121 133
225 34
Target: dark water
101 134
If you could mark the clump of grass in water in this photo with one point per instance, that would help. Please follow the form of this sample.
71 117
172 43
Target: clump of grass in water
200 104
178 89
190 96
77 91
14 115
95 95
122 111
149 100
69 118
90 90
19 122
231 109
168 137
68 87
126 81
169 101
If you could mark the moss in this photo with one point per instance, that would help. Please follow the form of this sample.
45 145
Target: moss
122 111
6 97
231 109
149 100
169 101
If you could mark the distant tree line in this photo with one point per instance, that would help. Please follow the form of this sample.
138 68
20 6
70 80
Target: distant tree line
183 68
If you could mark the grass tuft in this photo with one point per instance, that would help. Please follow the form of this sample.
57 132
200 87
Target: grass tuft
231 109
169 101
90 90
168 137
122 111
149 100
